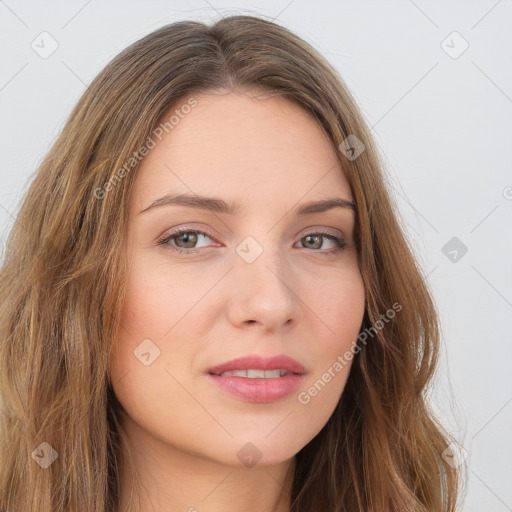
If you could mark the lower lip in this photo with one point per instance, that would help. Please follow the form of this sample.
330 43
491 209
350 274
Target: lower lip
259 390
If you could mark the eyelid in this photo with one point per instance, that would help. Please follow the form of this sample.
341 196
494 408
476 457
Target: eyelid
324 231
187 229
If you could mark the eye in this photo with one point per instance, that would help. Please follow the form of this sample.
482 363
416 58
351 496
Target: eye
183 239
316 241
186 240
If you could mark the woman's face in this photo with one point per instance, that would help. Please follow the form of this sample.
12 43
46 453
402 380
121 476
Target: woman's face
262 280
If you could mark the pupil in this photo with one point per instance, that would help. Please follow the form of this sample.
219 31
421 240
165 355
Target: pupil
189 239
313 239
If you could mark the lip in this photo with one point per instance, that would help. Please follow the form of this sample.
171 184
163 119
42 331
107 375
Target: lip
259 390
259 362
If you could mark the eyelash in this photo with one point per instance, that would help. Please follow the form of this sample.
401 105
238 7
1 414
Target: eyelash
164 242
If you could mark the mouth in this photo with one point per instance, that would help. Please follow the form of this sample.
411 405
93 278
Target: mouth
257 379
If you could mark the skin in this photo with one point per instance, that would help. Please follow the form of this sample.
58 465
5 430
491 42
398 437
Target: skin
297 298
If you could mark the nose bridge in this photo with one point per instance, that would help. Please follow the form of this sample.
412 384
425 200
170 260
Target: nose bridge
264 289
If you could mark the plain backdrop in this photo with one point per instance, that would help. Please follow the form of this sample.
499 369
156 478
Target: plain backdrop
434 81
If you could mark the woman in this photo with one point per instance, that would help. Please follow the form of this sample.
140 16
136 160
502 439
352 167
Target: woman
208 302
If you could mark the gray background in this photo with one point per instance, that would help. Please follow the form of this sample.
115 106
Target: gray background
442 120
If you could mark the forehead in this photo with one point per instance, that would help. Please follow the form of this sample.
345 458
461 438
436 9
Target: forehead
241 146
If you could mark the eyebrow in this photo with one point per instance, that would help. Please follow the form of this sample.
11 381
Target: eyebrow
220 206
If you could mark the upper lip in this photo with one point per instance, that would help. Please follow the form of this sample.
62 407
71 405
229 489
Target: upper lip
280 362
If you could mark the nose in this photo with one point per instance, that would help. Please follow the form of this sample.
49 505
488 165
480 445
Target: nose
264 293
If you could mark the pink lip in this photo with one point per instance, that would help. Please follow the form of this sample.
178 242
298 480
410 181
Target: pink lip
259 390
261 363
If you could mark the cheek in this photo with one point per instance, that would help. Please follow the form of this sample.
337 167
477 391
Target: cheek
143 320
159 297
340 304
340 310
155 320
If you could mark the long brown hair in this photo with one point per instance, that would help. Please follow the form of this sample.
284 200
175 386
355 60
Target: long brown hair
62 285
